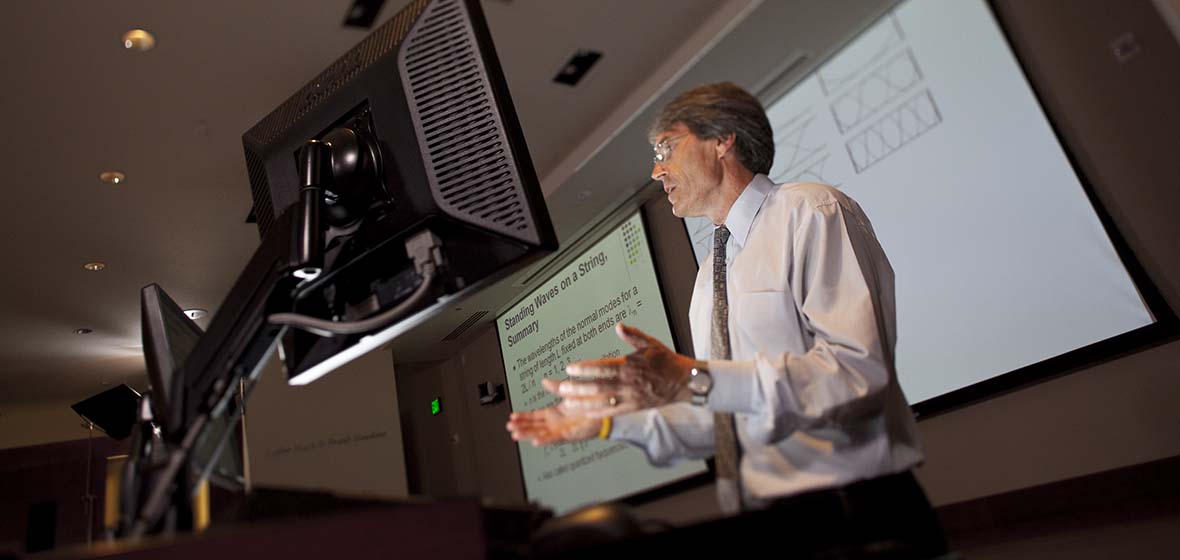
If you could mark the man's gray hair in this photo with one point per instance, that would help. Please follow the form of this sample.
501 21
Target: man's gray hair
713 111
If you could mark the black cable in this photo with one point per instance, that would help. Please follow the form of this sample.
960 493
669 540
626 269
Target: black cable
324 327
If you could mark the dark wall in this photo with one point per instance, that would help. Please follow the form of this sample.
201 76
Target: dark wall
464 450
341 433
42 489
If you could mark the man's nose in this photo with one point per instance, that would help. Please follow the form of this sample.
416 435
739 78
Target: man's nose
658 171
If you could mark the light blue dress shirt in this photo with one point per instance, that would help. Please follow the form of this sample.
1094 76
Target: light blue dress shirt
812 330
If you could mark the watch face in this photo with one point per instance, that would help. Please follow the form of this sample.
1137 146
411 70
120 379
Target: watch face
701 382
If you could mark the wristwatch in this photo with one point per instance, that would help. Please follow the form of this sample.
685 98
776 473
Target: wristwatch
700 383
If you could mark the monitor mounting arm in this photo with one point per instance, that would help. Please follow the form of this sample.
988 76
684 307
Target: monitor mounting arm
253 318
315 177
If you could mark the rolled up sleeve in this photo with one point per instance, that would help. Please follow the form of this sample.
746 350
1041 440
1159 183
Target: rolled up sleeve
668 434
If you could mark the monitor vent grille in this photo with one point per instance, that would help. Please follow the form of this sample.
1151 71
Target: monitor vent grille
369 50
462 328
260 188
468 159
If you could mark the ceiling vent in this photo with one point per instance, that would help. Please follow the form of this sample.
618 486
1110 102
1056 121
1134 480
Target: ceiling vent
577 67
462 328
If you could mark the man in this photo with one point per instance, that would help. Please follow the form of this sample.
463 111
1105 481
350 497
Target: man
793 323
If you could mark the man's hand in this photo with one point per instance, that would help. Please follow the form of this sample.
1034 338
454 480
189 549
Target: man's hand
550 425
651 376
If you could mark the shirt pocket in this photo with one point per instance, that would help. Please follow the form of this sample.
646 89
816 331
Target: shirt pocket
767 322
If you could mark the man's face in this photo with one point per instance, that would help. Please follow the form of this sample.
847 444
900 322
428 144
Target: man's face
690 171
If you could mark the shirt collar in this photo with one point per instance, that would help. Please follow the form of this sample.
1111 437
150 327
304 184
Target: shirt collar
745 208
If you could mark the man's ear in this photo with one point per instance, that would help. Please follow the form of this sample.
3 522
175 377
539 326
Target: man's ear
725 145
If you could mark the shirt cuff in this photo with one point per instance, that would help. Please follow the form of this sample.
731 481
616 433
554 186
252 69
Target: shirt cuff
734 384
628 427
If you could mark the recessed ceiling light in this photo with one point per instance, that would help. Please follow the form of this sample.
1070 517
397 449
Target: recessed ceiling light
139 40
112 177
94 266
83 331
195 313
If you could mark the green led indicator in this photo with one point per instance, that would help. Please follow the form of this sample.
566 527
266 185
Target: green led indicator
436 406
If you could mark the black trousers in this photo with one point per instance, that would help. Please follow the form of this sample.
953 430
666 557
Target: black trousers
883 518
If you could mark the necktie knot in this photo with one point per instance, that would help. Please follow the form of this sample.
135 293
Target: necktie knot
720 237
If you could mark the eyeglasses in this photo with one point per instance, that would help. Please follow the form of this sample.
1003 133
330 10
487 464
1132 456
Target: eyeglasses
664 149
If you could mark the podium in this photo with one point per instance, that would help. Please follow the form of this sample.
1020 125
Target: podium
296 525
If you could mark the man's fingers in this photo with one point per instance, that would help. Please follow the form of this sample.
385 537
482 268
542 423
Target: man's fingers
604 403
530 420
593 408
524 423
605 368
578 388
550 386
538 432
537 438
529 416
525 415
633 336
526 426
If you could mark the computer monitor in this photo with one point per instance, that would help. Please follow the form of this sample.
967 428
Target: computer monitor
112 411
169 336
424 137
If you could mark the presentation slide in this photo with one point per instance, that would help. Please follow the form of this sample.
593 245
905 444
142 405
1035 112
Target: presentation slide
570 318
1001 262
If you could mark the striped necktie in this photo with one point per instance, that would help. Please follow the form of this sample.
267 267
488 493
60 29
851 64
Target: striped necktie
727 456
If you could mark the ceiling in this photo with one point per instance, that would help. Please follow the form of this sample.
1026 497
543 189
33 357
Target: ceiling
76 103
